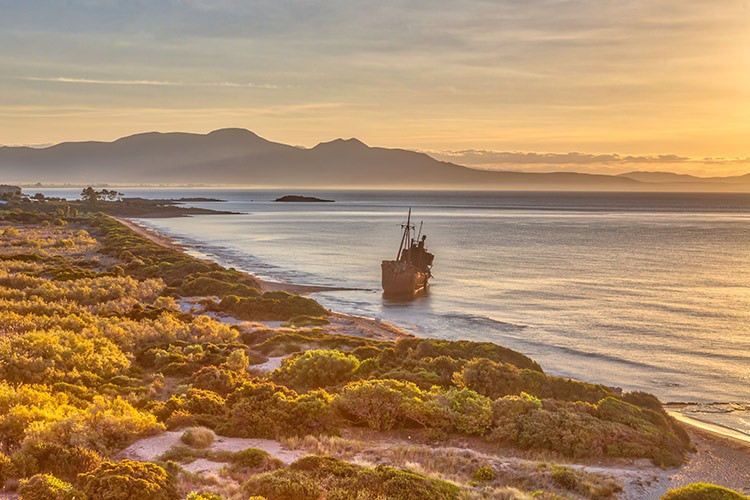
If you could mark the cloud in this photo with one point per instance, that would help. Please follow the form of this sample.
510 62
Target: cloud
611 163
485 157
156 83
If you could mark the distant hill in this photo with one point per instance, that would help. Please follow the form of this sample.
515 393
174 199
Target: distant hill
672 178
240 157
661 177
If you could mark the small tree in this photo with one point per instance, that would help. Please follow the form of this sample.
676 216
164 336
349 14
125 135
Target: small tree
90 195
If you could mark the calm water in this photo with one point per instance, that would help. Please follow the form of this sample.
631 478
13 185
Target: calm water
641 291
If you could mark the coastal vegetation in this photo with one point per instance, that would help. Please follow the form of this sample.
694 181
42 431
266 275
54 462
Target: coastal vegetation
703 491
98 351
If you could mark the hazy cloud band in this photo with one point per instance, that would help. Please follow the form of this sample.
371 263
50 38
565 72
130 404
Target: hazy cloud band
157 83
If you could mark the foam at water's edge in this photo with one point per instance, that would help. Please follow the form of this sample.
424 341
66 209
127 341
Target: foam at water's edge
720 430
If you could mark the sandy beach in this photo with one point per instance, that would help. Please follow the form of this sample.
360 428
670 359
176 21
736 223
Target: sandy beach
718 459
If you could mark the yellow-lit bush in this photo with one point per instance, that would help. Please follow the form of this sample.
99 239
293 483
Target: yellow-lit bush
45 487
126 480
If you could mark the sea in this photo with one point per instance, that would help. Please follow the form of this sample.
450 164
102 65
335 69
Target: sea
642 291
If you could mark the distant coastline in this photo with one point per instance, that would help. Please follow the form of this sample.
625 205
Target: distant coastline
240 157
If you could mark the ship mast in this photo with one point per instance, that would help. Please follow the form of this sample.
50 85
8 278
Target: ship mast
405 238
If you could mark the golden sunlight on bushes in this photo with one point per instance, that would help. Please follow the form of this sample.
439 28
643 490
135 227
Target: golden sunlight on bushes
96 354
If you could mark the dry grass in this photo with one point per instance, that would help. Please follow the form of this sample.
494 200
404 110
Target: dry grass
198 437
334 446
208 483
512 476
504 493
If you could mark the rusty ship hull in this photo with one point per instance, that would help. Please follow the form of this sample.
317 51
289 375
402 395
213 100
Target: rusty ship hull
403 279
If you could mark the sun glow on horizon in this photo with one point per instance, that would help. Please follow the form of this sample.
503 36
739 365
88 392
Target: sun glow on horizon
638 79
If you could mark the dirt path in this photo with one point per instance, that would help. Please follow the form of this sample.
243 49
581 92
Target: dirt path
151 448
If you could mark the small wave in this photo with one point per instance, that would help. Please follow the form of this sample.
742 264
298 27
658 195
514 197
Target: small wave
610 358
714 408
665 384
476 318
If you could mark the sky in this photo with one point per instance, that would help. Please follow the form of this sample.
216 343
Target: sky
588 85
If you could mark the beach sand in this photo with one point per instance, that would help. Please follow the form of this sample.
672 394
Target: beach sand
718 459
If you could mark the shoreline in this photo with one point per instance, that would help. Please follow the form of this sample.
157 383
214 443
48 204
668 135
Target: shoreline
714 431
265 285
720 432
343 323
719 457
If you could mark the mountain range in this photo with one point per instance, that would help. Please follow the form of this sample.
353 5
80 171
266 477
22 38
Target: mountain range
240 157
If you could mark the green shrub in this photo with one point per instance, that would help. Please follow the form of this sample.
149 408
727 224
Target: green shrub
366 352
237 361
283 484
250 458
270 342
578 430
193 402
203 284
703 491
59 356
253 459
45 487
310 413
268 410
198 437
316 369
565 478
271 306
300 321
420 348
6 469
126 480
194 495
314 477
64 462
496 380
484 473
257 410
380 404
461 410
471 413
181 454
218 380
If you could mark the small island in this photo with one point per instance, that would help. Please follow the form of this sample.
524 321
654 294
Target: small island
306 199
